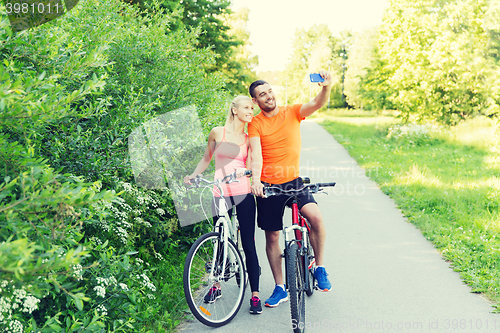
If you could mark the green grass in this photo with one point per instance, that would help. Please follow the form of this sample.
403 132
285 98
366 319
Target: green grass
447 183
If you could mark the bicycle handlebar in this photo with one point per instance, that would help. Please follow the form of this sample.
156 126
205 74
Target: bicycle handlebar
225 180
313 188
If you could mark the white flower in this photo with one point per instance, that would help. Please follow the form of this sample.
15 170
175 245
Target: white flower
96 240
101 309
160 211
77 271
100 291
112 281
19 295
146 283
102 281
16 326
123 234
123 286
30 304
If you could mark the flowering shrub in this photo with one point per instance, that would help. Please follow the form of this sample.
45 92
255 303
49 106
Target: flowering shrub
82 249
13 303
413 134
134 220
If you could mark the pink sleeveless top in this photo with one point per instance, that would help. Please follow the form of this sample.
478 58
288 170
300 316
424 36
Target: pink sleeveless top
228 157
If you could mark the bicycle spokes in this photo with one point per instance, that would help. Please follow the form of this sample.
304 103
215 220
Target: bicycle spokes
213 290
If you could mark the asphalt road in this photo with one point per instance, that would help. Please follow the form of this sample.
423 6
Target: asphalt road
386 277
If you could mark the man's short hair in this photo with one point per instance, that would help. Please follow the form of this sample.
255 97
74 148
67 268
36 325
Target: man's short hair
254 85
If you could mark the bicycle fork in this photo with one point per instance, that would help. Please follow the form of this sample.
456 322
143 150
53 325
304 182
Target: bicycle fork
222 227
300 234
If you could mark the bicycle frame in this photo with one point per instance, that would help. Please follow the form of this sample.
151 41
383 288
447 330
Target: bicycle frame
228 230
300 229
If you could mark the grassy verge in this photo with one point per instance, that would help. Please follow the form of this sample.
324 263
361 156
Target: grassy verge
446 181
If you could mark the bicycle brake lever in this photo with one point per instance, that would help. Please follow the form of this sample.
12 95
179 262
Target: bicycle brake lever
268 193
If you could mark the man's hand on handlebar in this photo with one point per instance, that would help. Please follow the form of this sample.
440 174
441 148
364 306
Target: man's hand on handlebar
257 188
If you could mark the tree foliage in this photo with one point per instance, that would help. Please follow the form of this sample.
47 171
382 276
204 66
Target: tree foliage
374 90
361 56
440 58
313 50
208 17
239 67
223 32
82 248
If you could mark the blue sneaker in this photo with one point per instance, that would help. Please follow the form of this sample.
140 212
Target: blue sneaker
279 295
321 276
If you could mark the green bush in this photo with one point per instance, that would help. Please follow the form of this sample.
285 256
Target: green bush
82 247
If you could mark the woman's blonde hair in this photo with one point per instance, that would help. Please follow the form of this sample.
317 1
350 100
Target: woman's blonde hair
234 104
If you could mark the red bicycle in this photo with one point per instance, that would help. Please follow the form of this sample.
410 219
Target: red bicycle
298 254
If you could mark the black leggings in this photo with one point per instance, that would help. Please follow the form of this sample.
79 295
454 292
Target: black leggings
245 210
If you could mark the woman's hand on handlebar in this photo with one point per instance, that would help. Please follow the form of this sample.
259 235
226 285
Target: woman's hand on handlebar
187 179
240 172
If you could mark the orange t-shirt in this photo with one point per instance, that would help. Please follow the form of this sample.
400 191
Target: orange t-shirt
280 141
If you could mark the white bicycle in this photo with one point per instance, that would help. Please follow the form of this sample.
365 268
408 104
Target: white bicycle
214 272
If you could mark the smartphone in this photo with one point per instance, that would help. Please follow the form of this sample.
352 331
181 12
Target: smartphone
316 77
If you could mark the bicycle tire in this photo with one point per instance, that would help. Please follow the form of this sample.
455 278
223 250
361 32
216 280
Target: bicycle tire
295 276
196 284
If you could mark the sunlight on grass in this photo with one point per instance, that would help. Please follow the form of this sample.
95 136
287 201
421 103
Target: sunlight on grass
419 175
479 132
357 117
493 182
492 162
381 120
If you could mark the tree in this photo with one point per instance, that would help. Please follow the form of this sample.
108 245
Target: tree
239 67
374 90
438 54
313 50
220 30
208 17
361 57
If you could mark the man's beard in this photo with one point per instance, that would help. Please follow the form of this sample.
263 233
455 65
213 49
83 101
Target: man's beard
265 108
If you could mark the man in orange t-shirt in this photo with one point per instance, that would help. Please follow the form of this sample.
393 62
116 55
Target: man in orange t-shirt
275 144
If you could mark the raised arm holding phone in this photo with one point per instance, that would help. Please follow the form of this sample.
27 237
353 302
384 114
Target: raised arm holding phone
275 145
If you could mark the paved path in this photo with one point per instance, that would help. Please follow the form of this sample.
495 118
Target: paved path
386 276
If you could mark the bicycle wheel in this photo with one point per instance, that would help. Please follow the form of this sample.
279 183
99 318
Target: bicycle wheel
309 262
197 282
295 272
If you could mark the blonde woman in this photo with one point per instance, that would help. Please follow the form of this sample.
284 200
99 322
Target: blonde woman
229 144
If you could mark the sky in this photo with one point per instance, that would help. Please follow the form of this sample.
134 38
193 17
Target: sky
272 23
